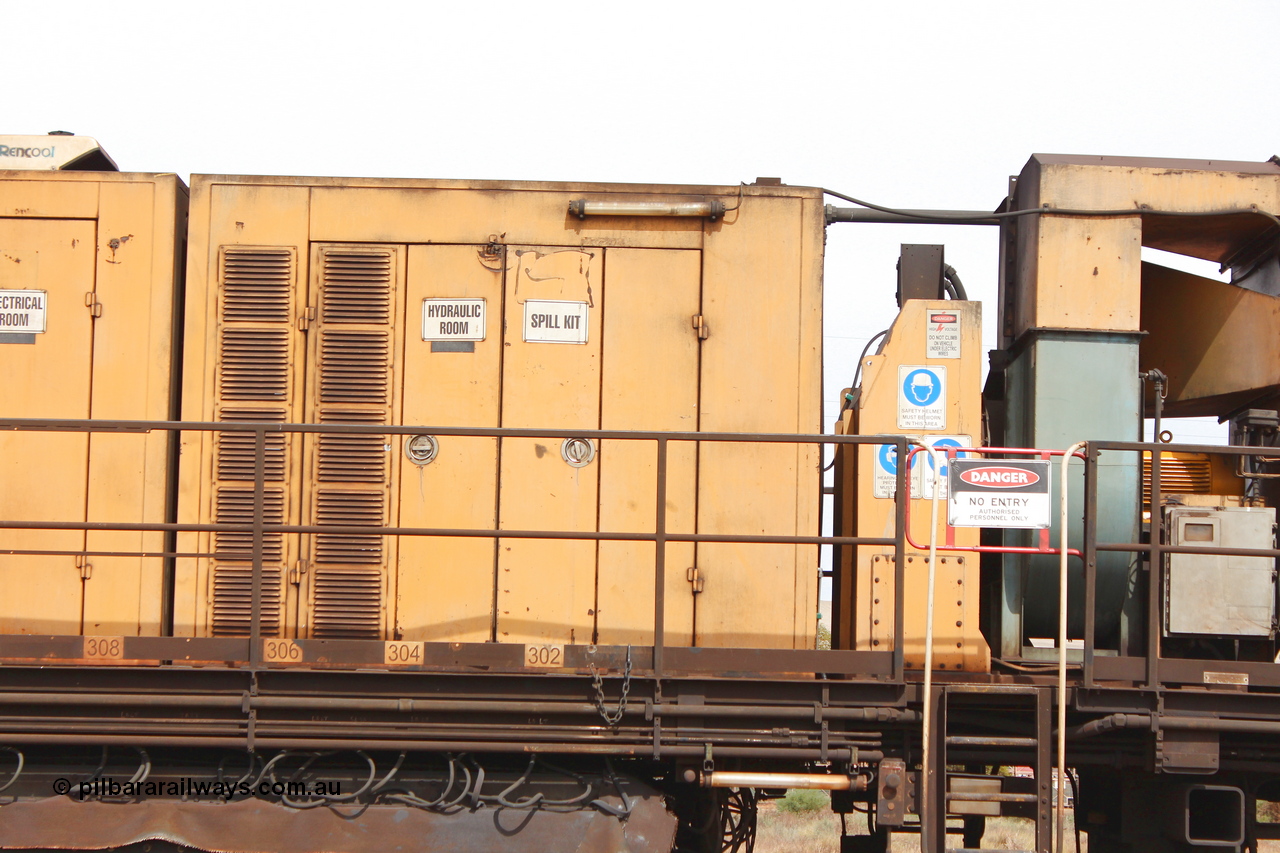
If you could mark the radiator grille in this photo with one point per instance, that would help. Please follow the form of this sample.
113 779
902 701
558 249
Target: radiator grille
353 367
236 449
357 287
235 506
349 509
233 601
353 458
1183 474
348 603
256 285
254 364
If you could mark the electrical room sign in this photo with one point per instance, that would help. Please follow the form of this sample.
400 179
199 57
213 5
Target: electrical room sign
549 321
942 334
453 319
999 493
23 311
922 397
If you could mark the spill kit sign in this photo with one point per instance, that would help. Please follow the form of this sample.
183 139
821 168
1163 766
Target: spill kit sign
23 311
453 319
942 335
922 397
999 493
548 321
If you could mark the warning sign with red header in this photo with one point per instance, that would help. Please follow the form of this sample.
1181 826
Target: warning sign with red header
999 493
942 336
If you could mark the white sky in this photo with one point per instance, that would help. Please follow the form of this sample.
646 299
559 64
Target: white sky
909 104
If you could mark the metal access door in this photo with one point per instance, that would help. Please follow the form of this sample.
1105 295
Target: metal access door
355 326
46 346
632 364
595 338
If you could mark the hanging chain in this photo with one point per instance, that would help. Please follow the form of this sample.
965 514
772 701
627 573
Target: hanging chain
611 717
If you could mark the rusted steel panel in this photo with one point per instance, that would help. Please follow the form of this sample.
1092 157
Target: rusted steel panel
251 826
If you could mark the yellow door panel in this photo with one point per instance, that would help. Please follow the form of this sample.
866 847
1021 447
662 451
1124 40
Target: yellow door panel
46 375
132 356
650 382
546 588
446 585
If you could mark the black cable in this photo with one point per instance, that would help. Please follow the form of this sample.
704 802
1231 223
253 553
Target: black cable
951 279
1055 211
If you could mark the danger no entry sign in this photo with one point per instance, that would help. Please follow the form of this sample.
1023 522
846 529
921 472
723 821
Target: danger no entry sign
999 493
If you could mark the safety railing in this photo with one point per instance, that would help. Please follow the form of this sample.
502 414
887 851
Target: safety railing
71 649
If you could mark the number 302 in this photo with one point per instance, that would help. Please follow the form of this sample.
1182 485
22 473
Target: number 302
544 656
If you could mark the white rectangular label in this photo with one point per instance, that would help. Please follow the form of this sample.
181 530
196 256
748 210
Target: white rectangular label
942 335
549 321
23 311
922 397
1240 678
453 319
999 493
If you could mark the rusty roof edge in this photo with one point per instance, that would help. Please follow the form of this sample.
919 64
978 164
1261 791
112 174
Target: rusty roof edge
767 190
1265 167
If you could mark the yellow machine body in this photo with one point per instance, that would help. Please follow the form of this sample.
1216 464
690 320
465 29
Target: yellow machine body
924 382
88 278
313 300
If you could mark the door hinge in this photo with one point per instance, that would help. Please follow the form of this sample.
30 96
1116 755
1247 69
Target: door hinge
85 567
695 578
306 318
91 302
700 326
295 574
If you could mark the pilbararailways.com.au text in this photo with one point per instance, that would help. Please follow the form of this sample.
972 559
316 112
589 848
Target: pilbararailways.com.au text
188 787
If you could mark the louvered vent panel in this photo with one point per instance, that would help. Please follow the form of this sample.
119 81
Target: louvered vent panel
233 601
236 449
352 416
353 367
349 509
235 506
256 285
1185 474
254 364
357 287
348 603
353 458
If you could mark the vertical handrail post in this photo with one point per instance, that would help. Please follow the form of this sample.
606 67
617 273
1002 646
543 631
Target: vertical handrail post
1090 553
900 565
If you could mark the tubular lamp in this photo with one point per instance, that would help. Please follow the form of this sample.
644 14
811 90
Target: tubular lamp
710 209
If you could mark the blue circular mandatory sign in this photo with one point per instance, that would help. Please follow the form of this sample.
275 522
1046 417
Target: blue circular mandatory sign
941 443
888 455
921 388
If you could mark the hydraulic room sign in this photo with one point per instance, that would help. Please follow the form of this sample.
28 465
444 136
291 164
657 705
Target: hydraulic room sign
999 493
453 319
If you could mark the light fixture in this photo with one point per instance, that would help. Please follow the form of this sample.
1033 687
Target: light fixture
709 209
